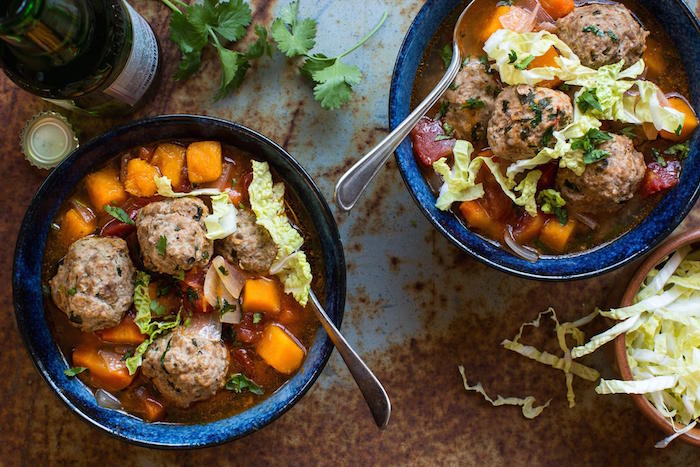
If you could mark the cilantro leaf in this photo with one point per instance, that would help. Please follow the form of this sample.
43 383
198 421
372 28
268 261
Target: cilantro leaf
233 20
335 84
525 62
446 55
681 150
512 57
238 382
188 36
314 63
257 317
119 214
473 103
296 37
262 46
74 371
190 63
588 100
595 155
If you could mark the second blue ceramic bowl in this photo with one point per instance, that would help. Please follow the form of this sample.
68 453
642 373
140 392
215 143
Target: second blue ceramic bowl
683 28
26 280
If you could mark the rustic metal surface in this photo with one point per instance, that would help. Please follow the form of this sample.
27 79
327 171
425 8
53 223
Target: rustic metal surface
417 307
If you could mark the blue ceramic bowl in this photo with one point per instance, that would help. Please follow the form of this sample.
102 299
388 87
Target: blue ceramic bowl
26 281
682 27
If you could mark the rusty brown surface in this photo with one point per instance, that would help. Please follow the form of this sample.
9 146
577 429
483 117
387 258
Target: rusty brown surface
451 310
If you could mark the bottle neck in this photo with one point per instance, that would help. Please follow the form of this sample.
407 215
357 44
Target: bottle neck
47 30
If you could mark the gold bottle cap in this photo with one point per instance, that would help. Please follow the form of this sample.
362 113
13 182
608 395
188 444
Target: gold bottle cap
47 139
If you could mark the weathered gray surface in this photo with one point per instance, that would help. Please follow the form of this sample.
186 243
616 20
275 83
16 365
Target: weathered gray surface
417 307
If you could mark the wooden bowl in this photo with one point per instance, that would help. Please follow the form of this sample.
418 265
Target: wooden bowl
687 238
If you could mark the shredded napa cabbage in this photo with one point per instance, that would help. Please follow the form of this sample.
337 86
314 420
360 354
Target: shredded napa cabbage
460 181
165 188
153 330
663 341
222 222
527 403
267 202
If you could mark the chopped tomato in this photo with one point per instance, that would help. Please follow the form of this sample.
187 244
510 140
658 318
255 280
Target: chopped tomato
116 228
549 174
192 287
496 203
659 178
425 146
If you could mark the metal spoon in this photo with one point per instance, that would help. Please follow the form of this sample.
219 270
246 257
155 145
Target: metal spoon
353 183
372 390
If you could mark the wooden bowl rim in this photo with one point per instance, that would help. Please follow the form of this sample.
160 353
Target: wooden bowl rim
666 248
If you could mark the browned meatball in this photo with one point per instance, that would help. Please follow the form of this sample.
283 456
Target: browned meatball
604 185
95 284
524 118
186 367
470 101
250 246
603 34
172 235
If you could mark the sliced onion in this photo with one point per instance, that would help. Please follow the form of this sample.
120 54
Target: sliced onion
107 400
233 279
518 19
84 211
279 265
546 26
205 325
232 317
662 98
589 222
210 286
521 251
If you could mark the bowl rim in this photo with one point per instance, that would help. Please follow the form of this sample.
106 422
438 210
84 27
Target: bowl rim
568 266
657 256
321 339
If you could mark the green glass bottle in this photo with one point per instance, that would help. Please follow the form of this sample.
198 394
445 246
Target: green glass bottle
97 56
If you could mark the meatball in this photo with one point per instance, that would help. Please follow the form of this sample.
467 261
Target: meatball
250 244
95 284
606 184
603 34
524 118
470 101
172 235
186 367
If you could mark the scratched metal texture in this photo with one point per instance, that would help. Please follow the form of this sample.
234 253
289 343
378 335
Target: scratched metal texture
417 307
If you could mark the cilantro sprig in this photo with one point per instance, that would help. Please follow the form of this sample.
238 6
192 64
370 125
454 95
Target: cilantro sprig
333 79
215 23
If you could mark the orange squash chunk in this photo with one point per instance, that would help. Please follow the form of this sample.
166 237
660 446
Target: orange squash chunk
557 236
126 332
105 368
74 227
557 8
140 178
261 295
690 124
204 161
104 188
478 218
494 24
170 159
280 350
547 60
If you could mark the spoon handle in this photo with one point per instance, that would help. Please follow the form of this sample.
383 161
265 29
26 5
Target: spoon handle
351 185
372 390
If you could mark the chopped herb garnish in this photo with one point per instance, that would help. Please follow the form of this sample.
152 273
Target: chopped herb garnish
163 289
588 143
588 100
444 107
452 87
484 60
72 291
119 214
257 317
473 103
594 29
227 308
678 130
128 354
564 87
547 136
74 371
45 290
467 60
512 57
446 55
525 62
198 216
180 275
679 150
442 138
659 158
192 295
162 357
448 129
629 131
612 36
223 270
161 245
239 382
505 3
205 255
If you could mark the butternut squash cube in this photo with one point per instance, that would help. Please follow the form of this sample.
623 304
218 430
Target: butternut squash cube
105 368
104 188
280 350
140 178
170 159
75 227
204 161
261 295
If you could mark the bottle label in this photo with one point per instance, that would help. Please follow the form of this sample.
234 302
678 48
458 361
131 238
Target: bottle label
142 65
